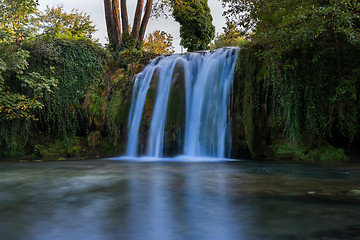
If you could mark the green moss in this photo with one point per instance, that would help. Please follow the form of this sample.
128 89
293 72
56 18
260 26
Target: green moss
147 114
328 154
71 147
52 151
123 113
176 109
118 90
176 112
9 153
322 153
175 121
250 115
106 147
94 138
117 113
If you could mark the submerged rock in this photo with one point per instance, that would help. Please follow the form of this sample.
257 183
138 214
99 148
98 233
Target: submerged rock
355 193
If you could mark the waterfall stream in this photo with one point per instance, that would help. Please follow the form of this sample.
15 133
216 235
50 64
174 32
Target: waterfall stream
197 123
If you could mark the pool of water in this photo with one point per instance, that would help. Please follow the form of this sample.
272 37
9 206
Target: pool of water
124 200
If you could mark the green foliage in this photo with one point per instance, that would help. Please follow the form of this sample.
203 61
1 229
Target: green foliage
159 42
77 64
20 20
43 82
109 102
133 61
244 103
14 134
18 106
322 153
116 116
37 95
250 97
313 70
129 63
22 89
56 23
309 77
59 149
196 29
230 37
16 17
128 42
21 96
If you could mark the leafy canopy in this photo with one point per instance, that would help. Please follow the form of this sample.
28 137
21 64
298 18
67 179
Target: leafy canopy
16 19
194 17
308 52
230 37
56 23
159 42
196 28
31 97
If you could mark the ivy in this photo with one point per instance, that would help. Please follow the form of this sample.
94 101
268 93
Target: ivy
310 50
78 64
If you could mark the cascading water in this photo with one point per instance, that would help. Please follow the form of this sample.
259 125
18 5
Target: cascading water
208 78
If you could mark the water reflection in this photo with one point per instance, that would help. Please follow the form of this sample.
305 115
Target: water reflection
225 200
173 204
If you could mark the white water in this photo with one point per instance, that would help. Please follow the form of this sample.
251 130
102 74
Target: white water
208 82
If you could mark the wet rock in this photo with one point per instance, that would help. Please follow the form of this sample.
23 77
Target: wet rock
354 192
324 152
176 112
311 193
147 112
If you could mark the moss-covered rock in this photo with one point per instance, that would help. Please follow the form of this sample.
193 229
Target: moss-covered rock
176 114
117 113
51 150
250 118
150 101
323 153
9 154
94 138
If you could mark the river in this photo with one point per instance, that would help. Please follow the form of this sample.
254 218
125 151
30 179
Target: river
124 200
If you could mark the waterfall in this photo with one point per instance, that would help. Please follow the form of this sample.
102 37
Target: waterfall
197 124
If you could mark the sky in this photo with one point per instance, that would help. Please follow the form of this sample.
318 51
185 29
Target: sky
95 8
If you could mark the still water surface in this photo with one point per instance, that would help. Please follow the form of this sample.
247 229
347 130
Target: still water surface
123 200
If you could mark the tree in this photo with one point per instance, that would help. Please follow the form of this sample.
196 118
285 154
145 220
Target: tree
21 92
243 13
308 52
15 19
21 89
159 42
112 16
230 37
196 29
56 23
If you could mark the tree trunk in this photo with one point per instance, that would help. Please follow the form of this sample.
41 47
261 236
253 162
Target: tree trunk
109 21
117 26
124 17
137 19
145 21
